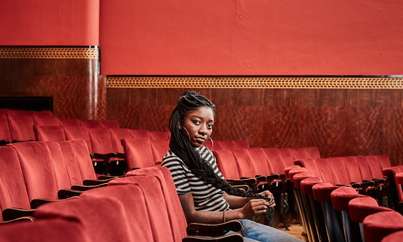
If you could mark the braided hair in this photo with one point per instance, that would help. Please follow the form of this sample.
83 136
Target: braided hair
181 145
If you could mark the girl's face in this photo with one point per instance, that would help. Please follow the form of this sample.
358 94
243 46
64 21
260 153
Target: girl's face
199 125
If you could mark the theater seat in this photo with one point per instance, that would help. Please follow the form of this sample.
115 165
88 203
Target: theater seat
21 124
49 133
379 225
139 153
5 136
394 237
46 230
45 118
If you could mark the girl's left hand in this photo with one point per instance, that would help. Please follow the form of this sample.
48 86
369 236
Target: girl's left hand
269 196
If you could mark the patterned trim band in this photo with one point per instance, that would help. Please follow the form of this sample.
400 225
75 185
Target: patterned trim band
49 53
257 82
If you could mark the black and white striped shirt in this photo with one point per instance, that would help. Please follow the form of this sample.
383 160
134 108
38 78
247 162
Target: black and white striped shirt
206 197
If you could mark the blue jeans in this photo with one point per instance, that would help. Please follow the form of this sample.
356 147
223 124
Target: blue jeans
254 232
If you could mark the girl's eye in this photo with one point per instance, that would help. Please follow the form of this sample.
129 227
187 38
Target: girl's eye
196 122
210 126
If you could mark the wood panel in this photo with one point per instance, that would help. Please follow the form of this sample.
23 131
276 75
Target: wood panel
68 75
339 122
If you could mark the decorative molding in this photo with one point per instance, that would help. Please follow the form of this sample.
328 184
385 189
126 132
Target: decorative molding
49 53
256 82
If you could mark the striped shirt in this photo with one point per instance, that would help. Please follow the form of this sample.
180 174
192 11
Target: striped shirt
206 197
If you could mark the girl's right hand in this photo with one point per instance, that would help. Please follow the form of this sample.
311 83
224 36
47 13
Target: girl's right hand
254 207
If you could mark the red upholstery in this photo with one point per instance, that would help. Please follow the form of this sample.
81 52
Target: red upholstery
75 129
46 230
376 165
82 157
298 177
109 123
156 205
342 196
13 192
364 168
160 144
138 152
73 166
275 160
287 155
121 133
104 218
360 207
353 169
92 124
21 124
227 164
260 160
46 118
246 166
134 202
5 134
61 171
103 141
391 172
230 144
394 237
38 170
307 184
321 191
379 225
50 133
175 211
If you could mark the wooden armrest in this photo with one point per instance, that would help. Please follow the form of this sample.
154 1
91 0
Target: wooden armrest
10 214
67 193
214 229
225 238
35 203
86 188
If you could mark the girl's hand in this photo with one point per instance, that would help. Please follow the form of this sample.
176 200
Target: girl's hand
270 198
254 207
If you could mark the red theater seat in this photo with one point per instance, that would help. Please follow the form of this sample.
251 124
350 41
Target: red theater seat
75 129
46 230
139 153
5 135
21 125
379 225
394 237
45 118
13 192
50 133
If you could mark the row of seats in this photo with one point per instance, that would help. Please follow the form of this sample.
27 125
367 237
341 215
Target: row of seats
142 206
330 184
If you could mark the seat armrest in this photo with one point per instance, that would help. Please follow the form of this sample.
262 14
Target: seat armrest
10 214
261 178
214 229
35 203
86 188
67 193
21 219
225 238
106 177
96 182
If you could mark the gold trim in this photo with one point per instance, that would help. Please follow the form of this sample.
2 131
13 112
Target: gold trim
48 53
258 82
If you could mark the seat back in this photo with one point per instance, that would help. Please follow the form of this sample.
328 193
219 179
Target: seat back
83 158
75 129
5 135
38 170
58 160
21 124
12 185
245 164
71 162
275 160
260 161
44 230
46 118
139 153
103 142
49 133
227 163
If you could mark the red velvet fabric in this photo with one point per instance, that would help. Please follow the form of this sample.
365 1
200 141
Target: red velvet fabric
49 133
12 185
297 178
46 118
321 191
5 134
83 158
175 211
101 141
21 125
46 230
227 164
159 144
110 123
139 153
307 184
379 225
275 160
105 219
260 161
393 237
359 208
73 167
134 201
38 170
246 166
154 196
75 129
342 196
59 163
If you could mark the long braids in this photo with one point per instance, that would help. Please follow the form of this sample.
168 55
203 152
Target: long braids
181 146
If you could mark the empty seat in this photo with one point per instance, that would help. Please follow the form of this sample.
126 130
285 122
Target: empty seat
50 133
12 185
46 230
45 118
379 225
5 136
139 153
21 124
394 237
75 129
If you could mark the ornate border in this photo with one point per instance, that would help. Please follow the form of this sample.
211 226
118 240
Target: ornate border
256 82
49 53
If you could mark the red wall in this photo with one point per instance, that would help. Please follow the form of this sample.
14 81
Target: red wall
49 22
245 37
